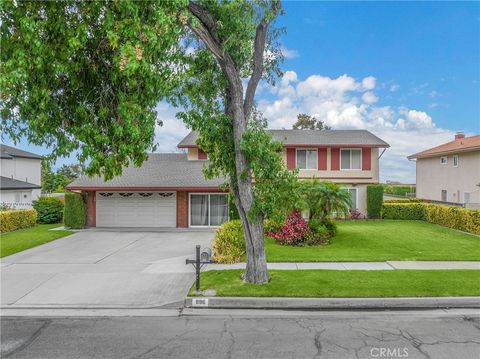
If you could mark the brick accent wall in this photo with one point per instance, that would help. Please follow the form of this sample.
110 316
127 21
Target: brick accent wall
182 209
91 208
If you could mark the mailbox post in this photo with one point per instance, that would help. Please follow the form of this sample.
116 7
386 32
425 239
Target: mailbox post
201 259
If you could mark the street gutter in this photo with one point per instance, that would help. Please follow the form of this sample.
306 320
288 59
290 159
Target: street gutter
331 303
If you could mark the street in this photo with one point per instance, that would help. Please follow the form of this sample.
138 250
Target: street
247 334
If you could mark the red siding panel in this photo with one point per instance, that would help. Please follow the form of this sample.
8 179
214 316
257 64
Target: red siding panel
182 209
201 155
366 159
291 160
335 154
322 159
91 208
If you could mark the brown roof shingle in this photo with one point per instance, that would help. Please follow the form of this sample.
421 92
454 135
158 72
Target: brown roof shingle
458 145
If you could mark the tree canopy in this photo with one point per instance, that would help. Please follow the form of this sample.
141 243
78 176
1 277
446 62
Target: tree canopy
87 76
308 122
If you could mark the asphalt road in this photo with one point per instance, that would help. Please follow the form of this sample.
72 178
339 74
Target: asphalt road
246 334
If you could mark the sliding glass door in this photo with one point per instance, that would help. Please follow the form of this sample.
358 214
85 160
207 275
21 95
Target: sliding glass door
208 209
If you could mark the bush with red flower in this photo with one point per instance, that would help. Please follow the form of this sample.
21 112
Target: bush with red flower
293 231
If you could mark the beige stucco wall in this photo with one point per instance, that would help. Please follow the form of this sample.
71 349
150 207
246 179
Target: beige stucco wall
433 177
22 169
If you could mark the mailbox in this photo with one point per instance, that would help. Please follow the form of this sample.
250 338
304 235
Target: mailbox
206 255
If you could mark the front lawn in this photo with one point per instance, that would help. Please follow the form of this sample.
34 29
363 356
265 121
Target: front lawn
337 283
22 239
372 241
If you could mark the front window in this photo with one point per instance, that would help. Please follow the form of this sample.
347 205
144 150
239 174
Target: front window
455 161
350 159
353 197
307 159
208 209
443 160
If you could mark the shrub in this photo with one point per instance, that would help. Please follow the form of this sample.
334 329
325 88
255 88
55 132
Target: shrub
49 209
17 219
331 227
292 232
229 243
399 190
467 220
414 211
318 234
374 200
75 211
355 214
271 226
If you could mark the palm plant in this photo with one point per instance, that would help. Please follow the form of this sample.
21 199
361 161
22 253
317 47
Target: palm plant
323 199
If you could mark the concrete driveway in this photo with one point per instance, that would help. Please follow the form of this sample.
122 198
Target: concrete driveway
103 268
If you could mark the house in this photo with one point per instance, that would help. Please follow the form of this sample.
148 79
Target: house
169 189
20 182
450 172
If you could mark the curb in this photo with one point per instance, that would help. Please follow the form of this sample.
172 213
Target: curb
331 303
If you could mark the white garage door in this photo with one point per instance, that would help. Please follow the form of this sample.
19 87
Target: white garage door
136 209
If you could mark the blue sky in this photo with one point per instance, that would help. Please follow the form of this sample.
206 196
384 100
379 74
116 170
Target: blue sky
407 71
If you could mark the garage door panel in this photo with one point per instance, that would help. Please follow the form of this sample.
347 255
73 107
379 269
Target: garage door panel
140 209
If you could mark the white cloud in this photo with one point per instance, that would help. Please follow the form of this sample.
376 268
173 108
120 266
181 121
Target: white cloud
394 87
344 103
369 97
288 53
369 83
172 132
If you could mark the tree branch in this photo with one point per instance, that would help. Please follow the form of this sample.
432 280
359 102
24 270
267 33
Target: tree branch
259 49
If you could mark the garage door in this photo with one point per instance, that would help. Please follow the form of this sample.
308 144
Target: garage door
136 209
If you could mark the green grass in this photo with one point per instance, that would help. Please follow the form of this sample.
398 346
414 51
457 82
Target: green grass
370 241
355 284
17 241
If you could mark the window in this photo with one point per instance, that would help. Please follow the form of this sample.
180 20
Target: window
443 160
17 197
466 197
208 209
350 159
455 161
353 196
307 159
444 195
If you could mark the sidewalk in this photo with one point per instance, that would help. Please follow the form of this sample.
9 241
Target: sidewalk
388 265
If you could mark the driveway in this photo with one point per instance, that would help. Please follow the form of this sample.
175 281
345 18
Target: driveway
103 268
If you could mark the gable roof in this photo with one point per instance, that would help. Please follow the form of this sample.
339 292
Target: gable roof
10 183
464 144
9 152
311 138
160 170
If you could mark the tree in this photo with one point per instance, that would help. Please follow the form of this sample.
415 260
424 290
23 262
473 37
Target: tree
48 178
65 175
323 199
88 76
307 122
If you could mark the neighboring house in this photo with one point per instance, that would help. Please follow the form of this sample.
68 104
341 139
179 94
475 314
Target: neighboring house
169 190
450 172
20 182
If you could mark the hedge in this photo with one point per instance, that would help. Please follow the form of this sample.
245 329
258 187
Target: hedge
467 220
374 200
49 209
75 211
403 211
229 244
405 200
17 219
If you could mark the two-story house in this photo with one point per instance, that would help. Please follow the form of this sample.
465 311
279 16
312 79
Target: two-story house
169 189
20 181
450 172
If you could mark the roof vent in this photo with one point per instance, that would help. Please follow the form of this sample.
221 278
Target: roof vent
459 135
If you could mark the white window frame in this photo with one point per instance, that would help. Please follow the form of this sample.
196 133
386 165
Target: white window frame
190 208
351 169
442 158
356 195
455 160
306 159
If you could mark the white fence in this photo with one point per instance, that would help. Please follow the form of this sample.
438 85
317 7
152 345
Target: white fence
16 205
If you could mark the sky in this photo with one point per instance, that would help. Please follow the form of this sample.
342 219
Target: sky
409 72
